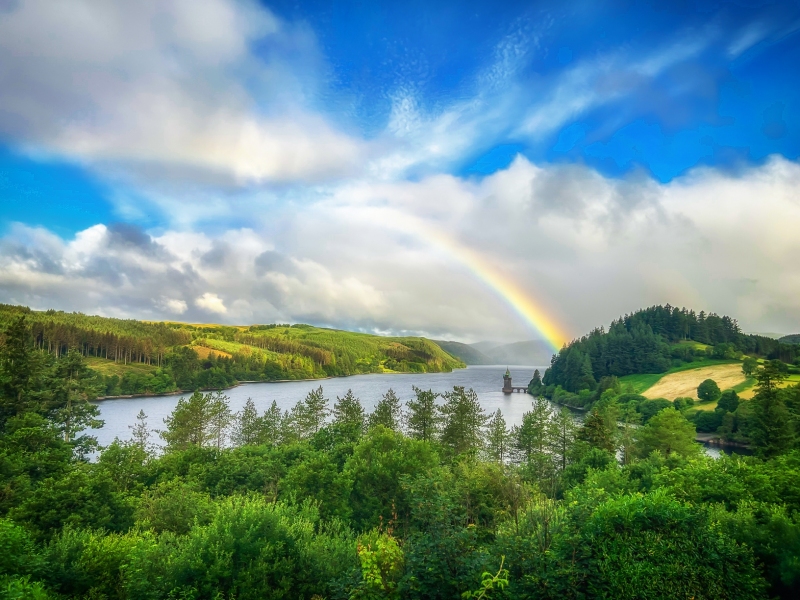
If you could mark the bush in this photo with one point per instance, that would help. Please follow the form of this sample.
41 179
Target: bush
708 391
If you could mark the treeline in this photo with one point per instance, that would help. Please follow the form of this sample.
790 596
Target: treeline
647 341
120 340
257 353
432 500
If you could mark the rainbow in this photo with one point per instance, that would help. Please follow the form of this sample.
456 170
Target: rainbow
503 286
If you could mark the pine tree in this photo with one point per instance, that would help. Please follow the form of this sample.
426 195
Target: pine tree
307 416
247 426
15 369
140 433
498 438
463 419
561 434
348 412
423 420
531 441
388 412
772 431
597 432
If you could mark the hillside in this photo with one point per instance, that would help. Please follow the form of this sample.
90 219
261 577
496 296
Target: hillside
650 343
465 353
790 339
133 356
529 352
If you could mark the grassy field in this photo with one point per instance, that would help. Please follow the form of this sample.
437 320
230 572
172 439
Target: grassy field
643 382
684 383
109 367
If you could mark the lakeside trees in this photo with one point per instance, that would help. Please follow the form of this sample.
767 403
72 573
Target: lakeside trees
329 502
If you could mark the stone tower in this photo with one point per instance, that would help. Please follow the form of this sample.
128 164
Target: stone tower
507 389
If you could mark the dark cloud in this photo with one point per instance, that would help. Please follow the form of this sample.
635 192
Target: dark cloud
273 261
126 237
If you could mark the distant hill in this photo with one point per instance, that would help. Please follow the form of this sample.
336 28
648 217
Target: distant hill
172 355
790 339
531 352
466 353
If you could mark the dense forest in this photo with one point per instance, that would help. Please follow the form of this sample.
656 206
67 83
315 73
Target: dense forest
136 357
432 500
653 340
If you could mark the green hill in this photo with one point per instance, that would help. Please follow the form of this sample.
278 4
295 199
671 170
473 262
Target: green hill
653 341
790 339
465 353
133 356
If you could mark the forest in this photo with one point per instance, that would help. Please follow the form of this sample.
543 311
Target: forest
664 339
434 499
138 357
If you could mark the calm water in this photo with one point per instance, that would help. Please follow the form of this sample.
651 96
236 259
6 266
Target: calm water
485 380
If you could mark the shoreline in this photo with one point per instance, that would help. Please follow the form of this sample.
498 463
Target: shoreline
238 383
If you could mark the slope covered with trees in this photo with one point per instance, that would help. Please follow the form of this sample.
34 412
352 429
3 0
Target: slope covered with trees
432 500
181 356
654 340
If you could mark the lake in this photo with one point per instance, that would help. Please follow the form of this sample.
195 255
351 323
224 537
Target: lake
487 382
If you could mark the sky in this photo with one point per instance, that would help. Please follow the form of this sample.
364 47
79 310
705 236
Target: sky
461 170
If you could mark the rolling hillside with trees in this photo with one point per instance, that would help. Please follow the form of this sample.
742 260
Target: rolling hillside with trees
135 357
664 356
434 499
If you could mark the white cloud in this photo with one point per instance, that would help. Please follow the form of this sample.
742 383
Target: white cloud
370 255
167 90
174 305
211 302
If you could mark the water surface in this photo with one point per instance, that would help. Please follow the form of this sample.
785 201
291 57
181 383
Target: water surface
487 382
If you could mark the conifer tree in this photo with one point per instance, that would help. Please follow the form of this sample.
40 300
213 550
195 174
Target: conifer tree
498 438
463 419
771 432
531 441
348 412
247 426
561 433
140 433
423 420
388 412
308 415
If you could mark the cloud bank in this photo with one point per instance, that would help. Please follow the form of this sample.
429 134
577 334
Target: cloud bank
584 245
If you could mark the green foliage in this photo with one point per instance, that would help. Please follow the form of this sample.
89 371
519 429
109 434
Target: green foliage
708 391
381 561
200 421
388 412
728 401
749 366
423 416
772 429
302 505
667 432
463 419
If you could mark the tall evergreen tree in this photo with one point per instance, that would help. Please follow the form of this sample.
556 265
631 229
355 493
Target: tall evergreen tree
463 419
531 441
561 436
423 420
771 431
308 416
15 369
498 438
388 412
247 425
349 412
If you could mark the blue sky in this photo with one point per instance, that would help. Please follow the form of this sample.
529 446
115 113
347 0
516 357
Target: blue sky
203 119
